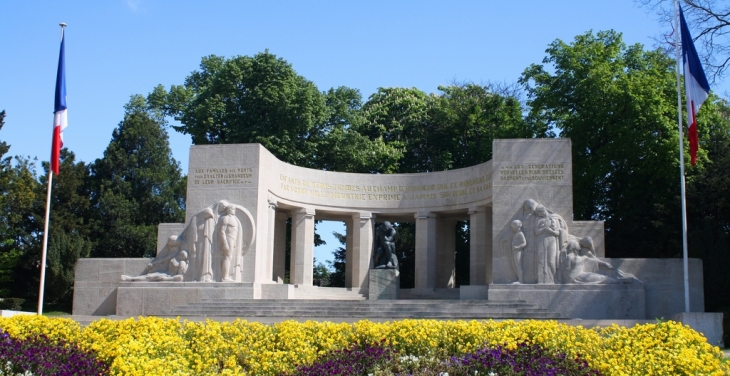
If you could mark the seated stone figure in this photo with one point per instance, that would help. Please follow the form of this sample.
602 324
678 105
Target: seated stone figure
159 263
176 268
574 271
385 256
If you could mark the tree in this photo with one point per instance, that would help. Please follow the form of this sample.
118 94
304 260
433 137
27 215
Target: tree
69 229
258 99
338 264
343 147
709 22
618 105
708 202
135 186
468 117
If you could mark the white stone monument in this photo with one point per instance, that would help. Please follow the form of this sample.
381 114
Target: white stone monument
524 242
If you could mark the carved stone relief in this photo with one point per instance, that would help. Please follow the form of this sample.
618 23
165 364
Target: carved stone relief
555 256
210 248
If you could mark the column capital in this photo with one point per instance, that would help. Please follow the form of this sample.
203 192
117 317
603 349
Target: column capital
273 204
362 216
424 215
309 212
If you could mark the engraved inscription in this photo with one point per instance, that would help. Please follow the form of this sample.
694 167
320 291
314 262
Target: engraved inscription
385 192
223 176
533 172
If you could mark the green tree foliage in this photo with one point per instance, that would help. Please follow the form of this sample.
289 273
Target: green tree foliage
618 106
135 186
69 230
338 264
708 202
248 99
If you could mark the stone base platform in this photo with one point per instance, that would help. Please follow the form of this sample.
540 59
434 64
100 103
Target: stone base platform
384 284
155 298
621 301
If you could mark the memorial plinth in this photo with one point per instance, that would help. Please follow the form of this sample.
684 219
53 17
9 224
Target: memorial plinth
384 284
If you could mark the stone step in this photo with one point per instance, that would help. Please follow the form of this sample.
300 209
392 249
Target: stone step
448 309
396 314
428 302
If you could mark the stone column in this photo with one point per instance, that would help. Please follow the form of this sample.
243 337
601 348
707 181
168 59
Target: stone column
362 249
480 240
445 252
302 247
279 262
425 250
268 267
348 252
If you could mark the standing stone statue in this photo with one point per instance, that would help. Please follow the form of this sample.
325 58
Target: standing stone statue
205 229
230 244
385 256
548 246
518 244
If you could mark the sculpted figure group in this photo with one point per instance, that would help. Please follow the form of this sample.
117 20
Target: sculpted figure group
210 249
558 256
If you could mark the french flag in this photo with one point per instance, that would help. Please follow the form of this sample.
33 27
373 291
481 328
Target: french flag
695 85
60 120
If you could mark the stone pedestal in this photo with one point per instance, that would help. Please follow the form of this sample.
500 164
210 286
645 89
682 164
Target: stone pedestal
384 284
708 324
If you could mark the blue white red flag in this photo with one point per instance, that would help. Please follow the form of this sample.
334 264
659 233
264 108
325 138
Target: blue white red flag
60 120
695 85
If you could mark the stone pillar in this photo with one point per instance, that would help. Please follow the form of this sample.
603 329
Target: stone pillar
480 251
268 267
279 262
362 249
348 252
445 252
425 250
302 247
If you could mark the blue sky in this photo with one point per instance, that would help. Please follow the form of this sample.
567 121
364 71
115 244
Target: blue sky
117 48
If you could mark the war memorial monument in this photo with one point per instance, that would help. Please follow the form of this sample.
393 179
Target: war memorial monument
525 247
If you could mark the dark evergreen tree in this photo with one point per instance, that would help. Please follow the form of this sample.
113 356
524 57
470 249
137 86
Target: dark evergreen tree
135 186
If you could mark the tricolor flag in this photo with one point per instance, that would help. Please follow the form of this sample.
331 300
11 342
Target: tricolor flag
695 85
60 120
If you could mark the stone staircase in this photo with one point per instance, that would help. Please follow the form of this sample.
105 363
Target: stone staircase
364 309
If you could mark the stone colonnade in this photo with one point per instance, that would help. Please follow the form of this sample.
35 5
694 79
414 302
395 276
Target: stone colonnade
434 248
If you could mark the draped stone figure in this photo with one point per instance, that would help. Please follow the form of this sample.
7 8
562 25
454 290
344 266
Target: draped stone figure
575 271
559 257
205 230
529 221
209 249
548 246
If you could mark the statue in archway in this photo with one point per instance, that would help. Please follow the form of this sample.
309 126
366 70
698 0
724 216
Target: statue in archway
385 257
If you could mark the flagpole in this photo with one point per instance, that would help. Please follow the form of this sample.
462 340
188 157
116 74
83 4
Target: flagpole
685 263
45 243
44 251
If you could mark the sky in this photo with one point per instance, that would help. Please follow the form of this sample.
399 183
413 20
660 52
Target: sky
118 48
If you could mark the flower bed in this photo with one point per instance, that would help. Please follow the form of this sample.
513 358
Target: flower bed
163 346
